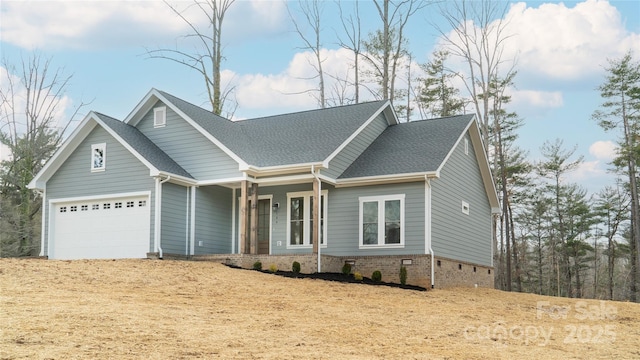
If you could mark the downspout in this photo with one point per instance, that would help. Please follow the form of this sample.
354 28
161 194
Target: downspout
43 193
427 225
192 225
318 207
187 222
157 228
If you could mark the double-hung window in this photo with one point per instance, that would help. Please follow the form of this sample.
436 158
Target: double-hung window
382 221
300 220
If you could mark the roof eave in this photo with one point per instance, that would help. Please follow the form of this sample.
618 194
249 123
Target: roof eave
260 171
386 179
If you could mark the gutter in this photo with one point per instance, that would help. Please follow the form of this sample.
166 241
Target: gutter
158 215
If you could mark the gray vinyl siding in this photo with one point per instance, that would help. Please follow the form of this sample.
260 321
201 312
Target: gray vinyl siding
351 152
174 225
124 173
456 235
188 147
213 220
344 219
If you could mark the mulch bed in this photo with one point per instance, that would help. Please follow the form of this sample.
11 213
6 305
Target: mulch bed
338 277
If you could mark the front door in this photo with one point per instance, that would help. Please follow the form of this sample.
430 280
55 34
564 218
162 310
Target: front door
264 225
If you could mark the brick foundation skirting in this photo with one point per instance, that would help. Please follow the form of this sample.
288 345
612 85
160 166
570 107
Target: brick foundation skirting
448 272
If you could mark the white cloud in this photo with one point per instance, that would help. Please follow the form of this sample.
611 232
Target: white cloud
296 86
566 43
110 24
545 99
603 150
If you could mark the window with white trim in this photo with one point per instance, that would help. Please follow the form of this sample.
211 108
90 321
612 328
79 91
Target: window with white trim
160 116
300 220
98 157
382 221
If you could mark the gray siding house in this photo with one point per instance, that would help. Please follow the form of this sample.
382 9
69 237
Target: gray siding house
322 187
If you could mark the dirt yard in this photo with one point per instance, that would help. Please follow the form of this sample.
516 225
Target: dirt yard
160 309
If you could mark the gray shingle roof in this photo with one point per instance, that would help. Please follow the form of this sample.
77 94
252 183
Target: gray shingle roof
296 138
145 147
302 137
414 147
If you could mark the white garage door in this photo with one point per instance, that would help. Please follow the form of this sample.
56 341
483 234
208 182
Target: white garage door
108 228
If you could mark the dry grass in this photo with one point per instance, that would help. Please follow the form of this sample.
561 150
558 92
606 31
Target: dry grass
143 309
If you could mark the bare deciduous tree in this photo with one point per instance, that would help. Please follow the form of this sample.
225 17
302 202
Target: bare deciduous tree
207 58
31 106
387 46
351 26
312 12
478 38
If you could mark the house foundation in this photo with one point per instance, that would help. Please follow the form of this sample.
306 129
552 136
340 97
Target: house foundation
448 273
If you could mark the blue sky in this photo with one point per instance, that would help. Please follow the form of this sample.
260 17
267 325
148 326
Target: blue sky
561 49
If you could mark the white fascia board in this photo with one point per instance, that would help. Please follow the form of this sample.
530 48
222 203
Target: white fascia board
280 169
225 181
386 179
142 108
391 120
63 152
177 179
152 97
455 145
481 158
485 168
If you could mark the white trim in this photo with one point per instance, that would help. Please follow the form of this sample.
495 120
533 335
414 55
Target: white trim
43 227
306 240
385 179
94 147
381 199
71 144
427 216
159 113
337 151
193 219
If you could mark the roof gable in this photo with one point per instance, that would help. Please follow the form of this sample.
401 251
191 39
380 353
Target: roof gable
139 144
410 148
131 138
274 141
303 137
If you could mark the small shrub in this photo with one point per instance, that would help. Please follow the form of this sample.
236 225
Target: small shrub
273 268
357 276
257 265
403 275
376 276
295 267
346 269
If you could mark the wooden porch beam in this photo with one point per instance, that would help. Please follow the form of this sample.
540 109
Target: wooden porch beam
253 242
244 215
